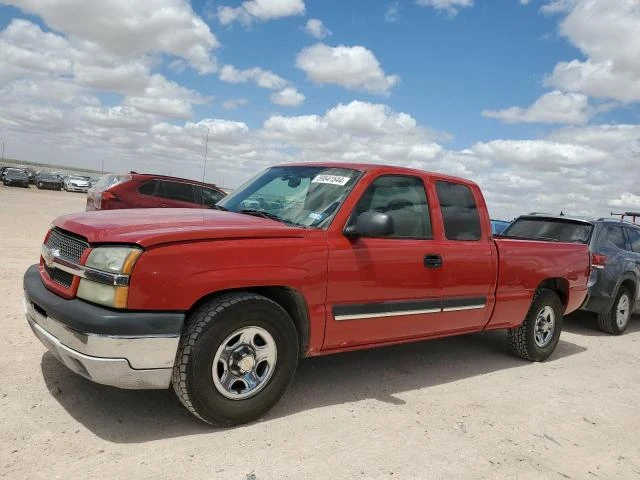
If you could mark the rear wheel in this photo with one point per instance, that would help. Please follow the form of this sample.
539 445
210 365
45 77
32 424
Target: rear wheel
235 359
616 320
539 334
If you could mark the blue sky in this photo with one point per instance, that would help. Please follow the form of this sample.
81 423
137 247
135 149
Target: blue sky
535 99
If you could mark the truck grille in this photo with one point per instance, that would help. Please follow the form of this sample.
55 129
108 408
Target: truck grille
59 276
70 247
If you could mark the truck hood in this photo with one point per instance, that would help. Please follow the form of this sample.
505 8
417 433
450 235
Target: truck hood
153 226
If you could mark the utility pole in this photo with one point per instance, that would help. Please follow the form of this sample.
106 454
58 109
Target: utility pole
206 148
3 150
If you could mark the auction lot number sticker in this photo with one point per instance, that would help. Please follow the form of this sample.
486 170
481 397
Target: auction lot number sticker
331 179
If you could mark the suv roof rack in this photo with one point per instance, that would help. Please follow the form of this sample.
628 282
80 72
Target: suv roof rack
633 215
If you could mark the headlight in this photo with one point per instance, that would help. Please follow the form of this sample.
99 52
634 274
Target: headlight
113 260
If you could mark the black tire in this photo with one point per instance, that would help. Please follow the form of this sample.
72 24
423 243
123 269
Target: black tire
39 185
607 322
523 340
208 328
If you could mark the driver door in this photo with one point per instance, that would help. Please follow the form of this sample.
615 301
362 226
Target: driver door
386 288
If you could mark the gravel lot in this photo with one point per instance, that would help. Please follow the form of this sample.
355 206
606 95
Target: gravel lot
454 408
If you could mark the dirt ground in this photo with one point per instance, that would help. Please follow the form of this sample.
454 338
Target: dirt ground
455 408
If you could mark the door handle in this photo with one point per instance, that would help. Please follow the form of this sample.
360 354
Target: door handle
432 260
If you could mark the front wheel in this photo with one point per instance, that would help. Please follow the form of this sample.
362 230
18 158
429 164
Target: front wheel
235 359
539 334
39 185
616 320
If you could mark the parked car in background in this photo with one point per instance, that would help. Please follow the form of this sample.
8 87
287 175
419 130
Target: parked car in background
93 181
2 170
60 175
141 190
49 181
31 172
498 226
76 183
222 303
15 177
614 284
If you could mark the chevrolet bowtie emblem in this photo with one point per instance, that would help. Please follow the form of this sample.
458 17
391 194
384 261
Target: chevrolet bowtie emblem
49 255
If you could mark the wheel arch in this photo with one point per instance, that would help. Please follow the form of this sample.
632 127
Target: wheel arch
288 298
558 285
629 282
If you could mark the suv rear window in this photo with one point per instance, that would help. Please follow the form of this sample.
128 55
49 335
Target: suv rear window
556 229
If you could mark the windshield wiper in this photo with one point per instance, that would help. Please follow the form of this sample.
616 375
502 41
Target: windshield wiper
260 213
270 216
219 207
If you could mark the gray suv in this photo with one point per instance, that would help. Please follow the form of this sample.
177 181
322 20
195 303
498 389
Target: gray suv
615 261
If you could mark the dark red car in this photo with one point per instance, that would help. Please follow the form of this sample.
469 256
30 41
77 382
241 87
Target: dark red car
141 190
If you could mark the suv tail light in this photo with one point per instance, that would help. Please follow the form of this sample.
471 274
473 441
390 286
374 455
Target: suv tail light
598 260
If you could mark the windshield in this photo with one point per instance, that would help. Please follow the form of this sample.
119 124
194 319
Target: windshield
48 176
15 173
549 229
304 196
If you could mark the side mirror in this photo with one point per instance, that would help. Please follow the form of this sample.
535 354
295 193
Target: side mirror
370 224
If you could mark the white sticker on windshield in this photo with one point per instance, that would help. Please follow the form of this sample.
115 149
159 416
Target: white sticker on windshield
331 179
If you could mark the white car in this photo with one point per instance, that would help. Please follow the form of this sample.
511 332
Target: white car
76 184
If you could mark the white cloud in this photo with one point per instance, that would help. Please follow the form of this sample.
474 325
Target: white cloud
626 200
552 107
130 29
165 98
524 2
355 68
608 33
262 78
449 6
260 10
288 97
393 12
317 29
598 79
234 103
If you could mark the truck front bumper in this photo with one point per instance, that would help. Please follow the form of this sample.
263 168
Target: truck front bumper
133 350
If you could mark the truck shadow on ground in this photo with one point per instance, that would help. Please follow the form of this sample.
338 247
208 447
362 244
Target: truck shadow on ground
129 416
586 323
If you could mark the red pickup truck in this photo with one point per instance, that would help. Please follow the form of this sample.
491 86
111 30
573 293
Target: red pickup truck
303 260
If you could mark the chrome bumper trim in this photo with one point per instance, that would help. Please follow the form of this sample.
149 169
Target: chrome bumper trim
115 372
140 352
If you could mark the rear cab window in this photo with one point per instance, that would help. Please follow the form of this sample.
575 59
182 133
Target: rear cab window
549 228
459 211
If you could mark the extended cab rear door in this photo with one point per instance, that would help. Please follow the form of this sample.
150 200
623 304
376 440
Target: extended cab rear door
386 288
469 258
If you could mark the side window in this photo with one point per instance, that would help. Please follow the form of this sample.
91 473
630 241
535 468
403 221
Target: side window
210 196
615 237
459 211
404 199
176 191
634 239
148 188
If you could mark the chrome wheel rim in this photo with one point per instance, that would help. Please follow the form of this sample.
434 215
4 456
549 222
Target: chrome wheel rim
244 363
545 326
622 311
